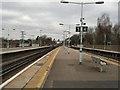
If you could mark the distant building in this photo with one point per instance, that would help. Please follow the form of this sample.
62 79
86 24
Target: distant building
119 12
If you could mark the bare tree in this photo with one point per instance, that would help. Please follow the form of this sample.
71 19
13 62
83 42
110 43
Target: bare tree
75 40
103 30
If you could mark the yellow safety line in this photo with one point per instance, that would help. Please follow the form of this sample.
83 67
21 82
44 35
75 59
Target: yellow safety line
111 62
87 54
44 75
54 57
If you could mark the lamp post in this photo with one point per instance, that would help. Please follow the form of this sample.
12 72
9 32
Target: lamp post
69 29
65 33
68 32
63 39
8 35
81 20
23 35
40 38
32 40
64 43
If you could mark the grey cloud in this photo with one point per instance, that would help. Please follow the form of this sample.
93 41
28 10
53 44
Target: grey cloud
34 16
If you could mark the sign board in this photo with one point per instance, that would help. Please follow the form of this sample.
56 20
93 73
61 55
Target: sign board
78 28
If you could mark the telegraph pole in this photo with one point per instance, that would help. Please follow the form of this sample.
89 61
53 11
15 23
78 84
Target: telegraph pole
40 38
23 33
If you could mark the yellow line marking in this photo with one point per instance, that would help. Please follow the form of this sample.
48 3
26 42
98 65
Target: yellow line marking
54 57
111 62
49 66
87 54
42 80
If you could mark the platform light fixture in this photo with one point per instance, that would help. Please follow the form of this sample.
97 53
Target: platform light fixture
81 20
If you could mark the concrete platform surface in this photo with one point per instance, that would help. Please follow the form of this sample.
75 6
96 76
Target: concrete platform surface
9 50
67 73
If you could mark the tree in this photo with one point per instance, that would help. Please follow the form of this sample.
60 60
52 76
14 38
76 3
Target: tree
75 40
44 40
116 36
48 41
54 42
103 30
90 30
88 39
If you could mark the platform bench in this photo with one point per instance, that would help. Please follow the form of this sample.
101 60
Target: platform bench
99 63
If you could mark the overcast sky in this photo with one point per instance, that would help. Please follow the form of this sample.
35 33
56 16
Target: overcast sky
46 15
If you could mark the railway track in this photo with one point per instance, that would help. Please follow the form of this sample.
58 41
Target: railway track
112 55
19 60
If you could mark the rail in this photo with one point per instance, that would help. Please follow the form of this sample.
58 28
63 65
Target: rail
12 64
105 53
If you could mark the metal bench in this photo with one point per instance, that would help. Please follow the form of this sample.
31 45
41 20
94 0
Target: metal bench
98 62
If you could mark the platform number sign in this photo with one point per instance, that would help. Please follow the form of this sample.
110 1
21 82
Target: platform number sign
78 28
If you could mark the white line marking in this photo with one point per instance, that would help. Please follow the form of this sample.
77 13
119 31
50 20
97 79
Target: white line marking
16 75
21 49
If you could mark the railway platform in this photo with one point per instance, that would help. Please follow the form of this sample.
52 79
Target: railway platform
10 50
61 69
68 73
